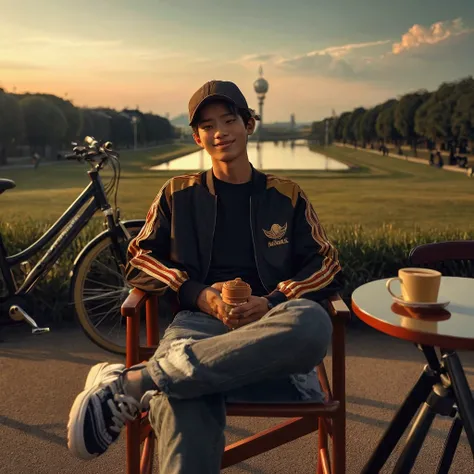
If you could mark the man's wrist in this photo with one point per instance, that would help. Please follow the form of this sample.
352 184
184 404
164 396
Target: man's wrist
188 294
275 298
270 305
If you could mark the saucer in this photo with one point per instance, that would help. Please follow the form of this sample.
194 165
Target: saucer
414 304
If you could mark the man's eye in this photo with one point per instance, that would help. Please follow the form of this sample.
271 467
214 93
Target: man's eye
231 120
206 127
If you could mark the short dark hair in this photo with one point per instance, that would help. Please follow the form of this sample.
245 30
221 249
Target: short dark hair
232 108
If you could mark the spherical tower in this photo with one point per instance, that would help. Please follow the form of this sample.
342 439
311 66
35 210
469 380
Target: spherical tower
261 88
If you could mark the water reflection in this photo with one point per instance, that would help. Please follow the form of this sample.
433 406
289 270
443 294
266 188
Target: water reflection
294 155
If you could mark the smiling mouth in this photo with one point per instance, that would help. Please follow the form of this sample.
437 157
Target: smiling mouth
224 144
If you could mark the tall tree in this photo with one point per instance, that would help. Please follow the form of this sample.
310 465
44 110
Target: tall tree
357 117
318 130
351 125
367 131
463 119
11 123
71 114
433 118
385 123
404 116
45 124
340 126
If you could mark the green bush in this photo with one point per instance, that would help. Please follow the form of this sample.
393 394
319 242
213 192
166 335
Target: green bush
368 254
365 254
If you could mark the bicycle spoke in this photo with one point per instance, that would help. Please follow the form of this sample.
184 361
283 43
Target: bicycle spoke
97 315
106 314
109 269
101 305
119 322
99 294
101 283
104 295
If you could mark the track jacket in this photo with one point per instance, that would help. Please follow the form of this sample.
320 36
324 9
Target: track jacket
294 257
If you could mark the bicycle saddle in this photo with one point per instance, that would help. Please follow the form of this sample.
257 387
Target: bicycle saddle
6 184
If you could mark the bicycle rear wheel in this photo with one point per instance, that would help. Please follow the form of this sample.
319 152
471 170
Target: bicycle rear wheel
98 291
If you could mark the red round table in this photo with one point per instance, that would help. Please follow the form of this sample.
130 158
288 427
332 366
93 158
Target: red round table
442 387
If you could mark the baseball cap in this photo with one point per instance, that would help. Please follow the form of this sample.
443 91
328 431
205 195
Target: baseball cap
224 90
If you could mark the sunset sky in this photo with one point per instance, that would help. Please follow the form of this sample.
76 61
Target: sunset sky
317 55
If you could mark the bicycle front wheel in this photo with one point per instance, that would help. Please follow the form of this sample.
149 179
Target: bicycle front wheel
99 289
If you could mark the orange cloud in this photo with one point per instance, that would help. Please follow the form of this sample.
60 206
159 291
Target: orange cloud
419 35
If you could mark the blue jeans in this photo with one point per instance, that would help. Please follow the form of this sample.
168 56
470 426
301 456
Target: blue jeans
200 364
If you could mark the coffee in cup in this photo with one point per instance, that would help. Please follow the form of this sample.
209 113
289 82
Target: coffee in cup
419 285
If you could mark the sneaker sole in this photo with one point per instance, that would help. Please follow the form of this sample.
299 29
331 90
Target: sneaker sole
95 373
75 426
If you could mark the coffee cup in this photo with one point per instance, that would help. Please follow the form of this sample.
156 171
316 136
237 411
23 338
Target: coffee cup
418 285
236 292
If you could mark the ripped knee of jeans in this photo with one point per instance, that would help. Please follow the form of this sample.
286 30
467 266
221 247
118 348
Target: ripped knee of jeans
177 358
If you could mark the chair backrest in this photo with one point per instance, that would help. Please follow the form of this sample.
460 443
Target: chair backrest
454 258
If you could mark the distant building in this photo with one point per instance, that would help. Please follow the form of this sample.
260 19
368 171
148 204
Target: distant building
292 122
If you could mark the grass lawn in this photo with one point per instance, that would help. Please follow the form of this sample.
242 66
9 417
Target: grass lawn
382 190
394 192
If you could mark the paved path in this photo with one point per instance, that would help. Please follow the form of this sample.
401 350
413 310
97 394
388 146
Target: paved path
40 376
25 162
454 169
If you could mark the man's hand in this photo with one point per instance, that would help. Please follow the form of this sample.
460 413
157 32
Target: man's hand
210 302
255 308
218 286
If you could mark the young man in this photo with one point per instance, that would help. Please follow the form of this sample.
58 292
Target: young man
202 230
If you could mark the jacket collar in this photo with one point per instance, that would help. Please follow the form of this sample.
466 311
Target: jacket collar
259 181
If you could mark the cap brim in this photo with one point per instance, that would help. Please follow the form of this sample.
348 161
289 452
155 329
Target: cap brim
212 97
209 98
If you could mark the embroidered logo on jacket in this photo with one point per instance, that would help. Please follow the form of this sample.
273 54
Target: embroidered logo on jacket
276 234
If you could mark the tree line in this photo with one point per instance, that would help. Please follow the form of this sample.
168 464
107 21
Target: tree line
441 120
45 120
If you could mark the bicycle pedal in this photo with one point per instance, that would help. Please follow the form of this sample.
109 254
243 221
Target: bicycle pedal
18 314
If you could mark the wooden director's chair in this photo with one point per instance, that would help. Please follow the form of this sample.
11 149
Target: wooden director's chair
329 418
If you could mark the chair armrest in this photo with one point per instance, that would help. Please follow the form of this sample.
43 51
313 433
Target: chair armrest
133 303
338 309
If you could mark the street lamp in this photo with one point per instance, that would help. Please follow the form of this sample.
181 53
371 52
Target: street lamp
135 124
261 88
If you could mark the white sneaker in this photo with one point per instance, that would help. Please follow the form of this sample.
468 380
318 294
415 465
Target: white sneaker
100 411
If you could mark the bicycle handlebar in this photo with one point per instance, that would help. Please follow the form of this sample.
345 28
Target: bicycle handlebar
91 150
98 154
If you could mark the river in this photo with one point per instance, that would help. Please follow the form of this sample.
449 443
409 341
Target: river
294 155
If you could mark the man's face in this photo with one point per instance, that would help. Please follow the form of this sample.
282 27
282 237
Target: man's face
221 133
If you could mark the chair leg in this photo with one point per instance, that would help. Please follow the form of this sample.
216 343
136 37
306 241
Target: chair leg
133 447
322 444
146 464
339 444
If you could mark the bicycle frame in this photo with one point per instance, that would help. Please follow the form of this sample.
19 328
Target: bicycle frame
67 226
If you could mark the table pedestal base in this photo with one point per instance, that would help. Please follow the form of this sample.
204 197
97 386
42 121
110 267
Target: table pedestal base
442 389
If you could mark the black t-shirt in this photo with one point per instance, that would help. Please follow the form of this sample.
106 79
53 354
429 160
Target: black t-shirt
233 253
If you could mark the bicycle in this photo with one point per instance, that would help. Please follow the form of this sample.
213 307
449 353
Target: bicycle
97 280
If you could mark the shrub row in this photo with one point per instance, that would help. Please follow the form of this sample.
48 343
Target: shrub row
365 254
